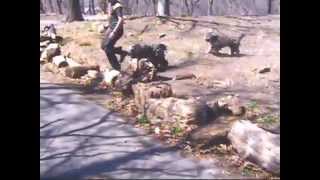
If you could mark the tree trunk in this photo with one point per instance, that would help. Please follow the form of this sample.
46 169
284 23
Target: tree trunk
82 6
187 7
103 6
93 7
50 6
256 145
74 12
59 2
163 8
41 8
154 2
127 9
210 3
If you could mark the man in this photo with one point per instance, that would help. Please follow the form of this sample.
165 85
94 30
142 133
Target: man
113 34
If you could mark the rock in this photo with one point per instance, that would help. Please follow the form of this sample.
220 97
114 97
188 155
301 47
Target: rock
256 145
264 70
60 61
162 35
77 72
51 51
171 109
143 92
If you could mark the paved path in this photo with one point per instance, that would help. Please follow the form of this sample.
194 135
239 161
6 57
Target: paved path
80 139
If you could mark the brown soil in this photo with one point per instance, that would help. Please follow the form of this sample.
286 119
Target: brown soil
186 53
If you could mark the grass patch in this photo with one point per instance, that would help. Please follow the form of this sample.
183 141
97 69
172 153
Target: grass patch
269 119
176 130
143 120
252 105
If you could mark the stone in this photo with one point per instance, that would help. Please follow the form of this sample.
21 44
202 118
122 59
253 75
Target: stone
256 145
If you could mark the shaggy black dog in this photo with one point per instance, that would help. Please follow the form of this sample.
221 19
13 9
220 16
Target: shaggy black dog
154 53
217 42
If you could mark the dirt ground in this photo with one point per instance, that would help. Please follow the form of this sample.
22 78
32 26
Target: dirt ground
186 53
184 37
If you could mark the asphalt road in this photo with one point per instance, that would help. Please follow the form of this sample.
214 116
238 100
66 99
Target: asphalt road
80 139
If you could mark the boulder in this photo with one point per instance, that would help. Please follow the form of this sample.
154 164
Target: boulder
256 145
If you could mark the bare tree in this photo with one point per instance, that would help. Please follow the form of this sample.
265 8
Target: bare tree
59 3
50 6
103 5
163 8
210 4
154 2
190 5
126 7
91 7
42 10
82 6
74 11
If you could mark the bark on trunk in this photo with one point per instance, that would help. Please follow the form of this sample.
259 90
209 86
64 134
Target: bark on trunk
74 12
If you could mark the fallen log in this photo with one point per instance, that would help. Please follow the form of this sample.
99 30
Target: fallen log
256 145
172 109
143 92
78 71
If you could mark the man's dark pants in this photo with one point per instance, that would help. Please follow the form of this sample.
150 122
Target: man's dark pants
108 47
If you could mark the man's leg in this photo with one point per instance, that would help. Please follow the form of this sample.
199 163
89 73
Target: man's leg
109 50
